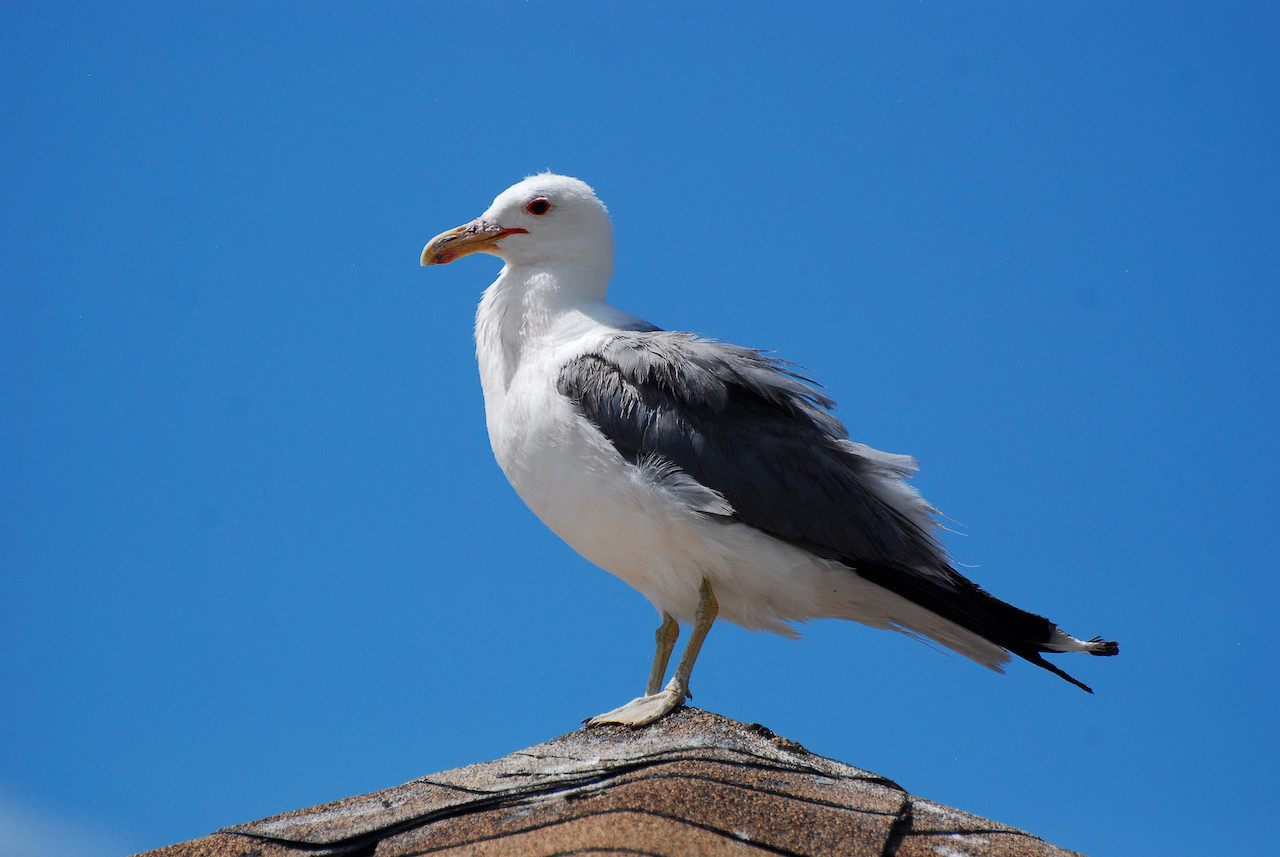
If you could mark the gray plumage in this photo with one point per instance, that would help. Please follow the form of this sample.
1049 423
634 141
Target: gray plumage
747 439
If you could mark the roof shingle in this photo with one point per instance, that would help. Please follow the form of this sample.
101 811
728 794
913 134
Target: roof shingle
694 783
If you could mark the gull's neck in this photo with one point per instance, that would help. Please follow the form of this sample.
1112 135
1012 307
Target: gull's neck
527 308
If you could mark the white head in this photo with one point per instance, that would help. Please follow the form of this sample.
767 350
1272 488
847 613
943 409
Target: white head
546 222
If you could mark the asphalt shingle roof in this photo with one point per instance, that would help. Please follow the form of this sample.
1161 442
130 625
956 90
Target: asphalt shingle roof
694 783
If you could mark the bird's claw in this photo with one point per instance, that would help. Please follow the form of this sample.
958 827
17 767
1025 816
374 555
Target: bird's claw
643 710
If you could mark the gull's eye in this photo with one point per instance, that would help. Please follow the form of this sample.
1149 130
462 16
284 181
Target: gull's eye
538 206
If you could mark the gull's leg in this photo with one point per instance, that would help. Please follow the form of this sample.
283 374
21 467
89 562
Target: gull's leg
655 706
708 607
666 635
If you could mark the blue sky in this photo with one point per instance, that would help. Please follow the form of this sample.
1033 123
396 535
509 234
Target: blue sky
254 550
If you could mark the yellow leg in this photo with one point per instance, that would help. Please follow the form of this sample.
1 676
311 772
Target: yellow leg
666 635
656 705
708 607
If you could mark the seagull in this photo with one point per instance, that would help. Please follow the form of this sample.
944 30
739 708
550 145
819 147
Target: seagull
710 477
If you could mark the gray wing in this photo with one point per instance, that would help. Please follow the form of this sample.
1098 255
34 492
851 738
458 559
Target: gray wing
755 433
749 428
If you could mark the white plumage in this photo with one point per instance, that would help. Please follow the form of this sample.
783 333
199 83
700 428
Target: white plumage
708 477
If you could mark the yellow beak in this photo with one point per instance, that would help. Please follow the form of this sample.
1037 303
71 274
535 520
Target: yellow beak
478 236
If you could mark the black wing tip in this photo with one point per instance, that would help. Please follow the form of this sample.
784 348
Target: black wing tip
1097 646
1034 657
1103 648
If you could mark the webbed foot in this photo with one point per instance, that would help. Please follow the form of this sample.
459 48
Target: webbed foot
644 710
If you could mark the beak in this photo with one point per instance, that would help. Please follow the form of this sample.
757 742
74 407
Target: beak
477 236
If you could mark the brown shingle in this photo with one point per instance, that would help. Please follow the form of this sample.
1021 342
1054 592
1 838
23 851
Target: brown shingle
694 783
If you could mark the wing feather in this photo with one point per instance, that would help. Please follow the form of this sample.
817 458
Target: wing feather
748 428
752 429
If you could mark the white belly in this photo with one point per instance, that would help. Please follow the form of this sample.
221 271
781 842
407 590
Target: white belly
573 479
642 529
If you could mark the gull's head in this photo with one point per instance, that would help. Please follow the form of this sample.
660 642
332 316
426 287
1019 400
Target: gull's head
545 221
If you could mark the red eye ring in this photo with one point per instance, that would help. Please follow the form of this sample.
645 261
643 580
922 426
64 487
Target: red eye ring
539 206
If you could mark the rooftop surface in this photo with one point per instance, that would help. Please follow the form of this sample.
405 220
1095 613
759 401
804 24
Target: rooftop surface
694 783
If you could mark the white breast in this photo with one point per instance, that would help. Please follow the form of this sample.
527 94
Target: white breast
615 515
